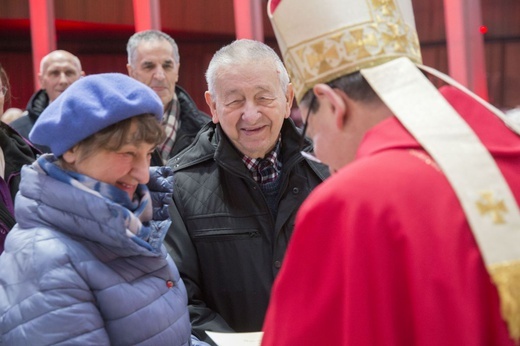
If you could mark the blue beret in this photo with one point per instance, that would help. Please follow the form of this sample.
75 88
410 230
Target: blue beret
89 105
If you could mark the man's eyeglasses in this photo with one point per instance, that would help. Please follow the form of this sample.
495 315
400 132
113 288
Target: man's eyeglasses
3 90
305 154
305 124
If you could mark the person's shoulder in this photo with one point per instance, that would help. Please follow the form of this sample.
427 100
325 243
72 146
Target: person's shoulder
319 168
42 258
11 114
202 118
40 246
185 99
21 150
377 184
22 122
380 174
189 110
200 150
45 238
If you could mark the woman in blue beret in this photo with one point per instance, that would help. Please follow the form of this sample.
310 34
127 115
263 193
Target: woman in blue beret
85 264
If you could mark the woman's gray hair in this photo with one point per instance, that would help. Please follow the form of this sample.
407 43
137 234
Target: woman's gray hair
241 52
149 35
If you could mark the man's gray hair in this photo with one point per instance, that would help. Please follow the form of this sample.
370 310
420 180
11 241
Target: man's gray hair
149 35
241 52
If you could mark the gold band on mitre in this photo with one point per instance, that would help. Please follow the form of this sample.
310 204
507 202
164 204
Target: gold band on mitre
331 44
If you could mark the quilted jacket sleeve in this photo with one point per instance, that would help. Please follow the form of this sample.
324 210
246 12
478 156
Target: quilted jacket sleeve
43 299
160 187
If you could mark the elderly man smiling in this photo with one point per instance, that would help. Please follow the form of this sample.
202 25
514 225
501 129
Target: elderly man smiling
237 189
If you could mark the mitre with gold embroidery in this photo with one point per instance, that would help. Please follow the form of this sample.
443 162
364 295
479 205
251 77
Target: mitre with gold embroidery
319 45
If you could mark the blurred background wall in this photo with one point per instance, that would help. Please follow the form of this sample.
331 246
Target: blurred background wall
97 31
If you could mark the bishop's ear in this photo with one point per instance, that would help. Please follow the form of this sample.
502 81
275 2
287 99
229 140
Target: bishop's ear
334 101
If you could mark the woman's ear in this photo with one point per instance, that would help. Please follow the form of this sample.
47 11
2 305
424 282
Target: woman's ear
70 156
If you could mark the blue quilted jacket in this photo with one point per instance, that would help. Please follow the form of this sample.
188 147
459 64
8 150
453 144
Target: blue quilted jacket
70 276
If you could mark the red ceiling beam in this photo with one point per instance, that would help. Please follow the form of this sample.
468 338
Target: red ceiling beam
248 19
147 15
43 33
465 42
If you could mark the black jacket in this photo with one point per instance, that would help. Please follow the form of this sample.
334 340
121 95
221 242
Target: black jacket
36 105
223 238
17 153
192 120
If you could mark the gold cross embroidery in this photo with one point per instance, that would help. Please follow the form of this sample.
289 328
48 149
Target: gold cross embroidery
488 205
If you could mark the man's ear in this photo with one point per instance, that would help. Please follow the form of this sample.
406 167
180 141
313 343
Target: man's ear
289 96
177 67
335 100
40 79
129 69
212 106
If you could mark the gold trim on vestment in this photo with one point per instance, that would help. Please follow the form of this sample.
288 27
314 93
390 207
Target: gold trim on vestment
506 277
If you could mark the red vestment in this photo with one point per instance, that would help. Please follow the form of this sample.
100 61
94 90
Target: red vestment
382 253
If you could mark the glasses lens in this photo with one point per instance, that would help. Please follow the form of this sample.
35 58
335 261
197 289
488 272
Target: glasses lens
302 137
4 90
305 124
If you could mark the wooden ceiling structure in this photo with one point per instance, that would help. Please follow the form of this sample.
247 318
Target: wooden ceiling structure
96 31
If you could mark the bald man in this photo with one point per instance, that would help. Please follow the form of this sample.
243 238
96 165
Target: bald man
58 70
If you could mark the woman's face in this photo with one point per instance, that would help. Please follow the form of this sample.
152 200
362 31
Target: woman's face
124 168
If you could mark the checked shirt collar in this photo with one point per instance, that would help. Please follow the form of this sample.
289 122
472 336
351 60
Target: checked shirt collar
268 169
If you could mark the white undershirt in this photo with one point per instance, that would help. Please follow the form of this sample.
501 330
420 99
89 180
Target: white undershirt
2 163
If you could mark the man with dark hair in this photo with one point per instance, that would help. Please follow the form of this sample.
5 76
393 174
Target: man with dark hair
414 239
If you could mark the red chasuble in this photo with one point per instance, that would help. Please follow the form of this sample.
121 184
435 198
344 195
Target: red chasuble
382 253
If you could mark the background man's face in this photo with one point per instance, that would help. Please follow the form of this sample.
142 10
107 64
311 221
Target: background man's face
58 73
155 66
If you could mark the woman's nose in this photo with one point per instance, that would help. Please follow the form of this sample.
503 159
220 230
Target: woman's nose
140 169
